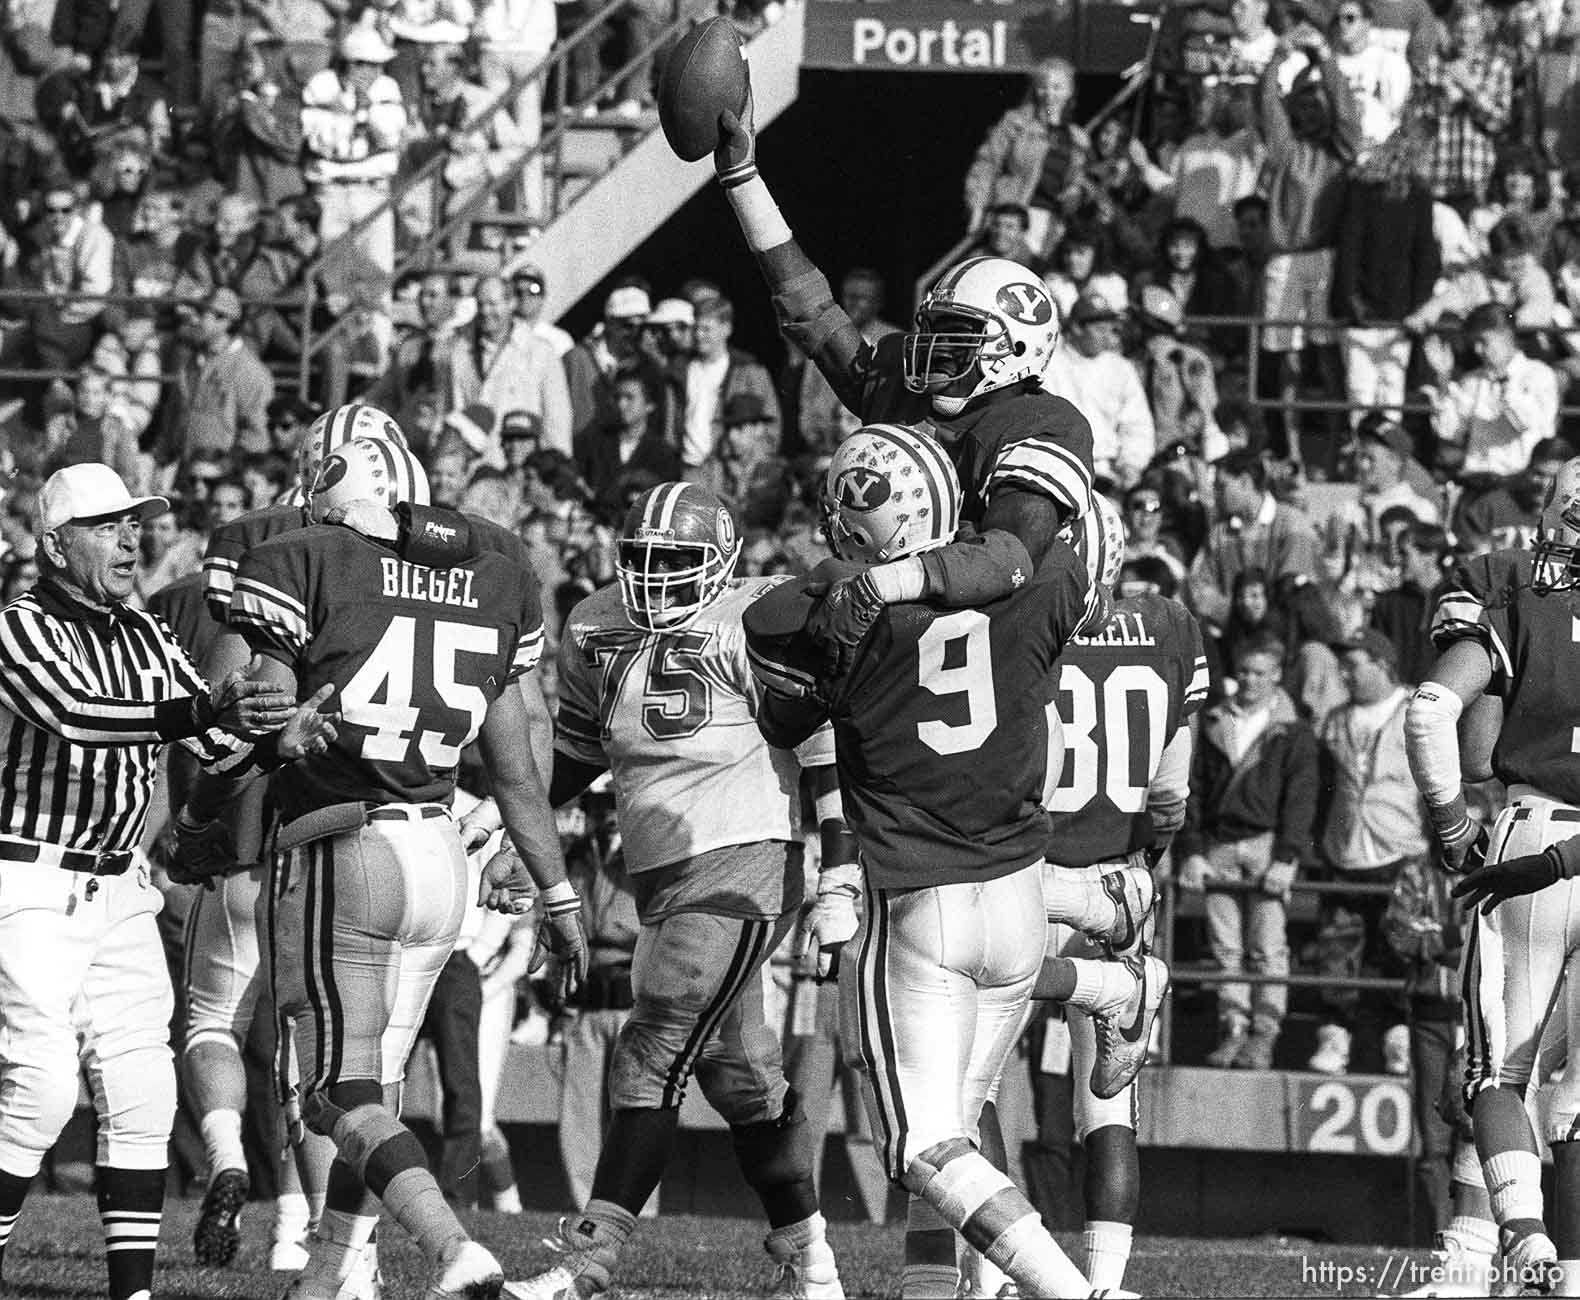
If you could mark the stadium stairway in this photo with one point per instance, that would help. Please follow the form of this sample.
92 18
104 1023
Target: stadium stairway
620 183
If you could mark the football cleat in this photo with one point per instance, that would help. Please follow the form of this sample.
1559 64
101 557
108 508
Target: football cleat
1530 1262
1123 1034
587 1264
471 1273
217 1237
1132 892
809 1273
365 1282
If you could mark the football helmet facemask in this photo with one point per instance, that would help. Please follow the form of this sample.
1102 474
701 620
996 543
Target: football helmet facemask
890 491
335 428
367 469
676 554
988 323
1557 566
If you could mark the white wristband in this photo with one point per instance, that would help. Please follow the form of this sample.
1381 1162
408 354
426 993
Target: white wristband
760 219
829 807
560 898
899 580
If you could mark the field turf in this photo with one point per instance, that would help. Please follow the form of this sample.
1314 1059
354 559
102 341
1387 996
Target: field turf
56 1253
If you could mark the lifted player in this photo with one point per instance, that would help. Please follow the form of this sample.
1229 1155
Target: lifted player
942 740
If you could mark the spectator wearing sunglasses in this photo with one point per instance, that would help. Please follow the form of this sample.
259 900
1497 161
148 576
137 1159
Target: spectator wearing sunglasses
531 288
1377 76
1145 538
76 256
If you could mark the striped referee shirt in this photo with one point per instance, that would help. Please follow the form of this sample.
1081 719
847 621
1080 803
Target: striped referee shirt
87 697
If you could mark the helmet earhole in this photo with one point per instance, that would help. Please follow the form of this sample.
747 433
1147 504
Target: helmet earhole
1020 348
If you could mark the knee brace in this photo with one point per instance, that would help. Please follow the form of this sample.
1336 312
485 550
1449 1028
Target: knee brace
371 1139
323 1108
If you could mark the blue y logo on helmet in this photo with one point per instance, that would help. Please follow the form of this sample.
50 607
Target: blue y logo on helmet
861 488
1026 302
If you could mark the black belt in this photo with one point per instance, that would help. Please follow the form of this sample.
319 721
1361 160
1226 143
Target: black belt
606 988
95 864
396 815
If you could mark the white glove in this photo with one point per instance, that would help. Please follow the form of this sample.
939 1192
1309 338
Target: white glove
831 922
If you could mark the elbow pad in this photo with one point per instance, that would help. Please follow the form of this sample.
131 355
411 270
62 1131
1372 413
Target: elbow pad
1432 742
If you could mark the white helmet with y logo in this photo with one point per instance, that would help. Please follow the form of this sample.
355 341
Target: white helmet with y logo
890 491
987 324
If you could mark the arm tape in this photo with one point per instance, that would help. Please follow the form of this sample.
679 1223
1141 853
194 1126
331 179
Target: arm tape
829 807
1432 742
760 219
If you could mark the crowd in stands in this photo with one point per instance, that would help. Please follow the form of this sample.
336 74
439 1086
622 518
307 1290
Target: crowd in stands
1319 301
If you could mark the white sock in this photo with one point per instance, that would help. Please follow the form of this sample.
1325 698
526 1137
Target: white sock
929 1282
1101 986
1081 904
221 1131
1568 1277
1107 1252
1475 1235
1514 1181
291 1217
338 1241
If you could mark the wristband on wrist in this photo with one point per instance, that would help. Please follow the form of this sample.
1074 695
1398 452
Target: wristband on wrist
760 219
899 581
560 898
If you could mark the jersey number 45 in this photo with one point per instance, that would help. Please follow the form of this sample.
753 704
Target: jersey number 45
422 689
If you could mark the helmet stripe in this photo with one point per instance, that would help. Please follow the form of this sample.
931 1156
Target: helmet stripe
661 509
395 469
340 429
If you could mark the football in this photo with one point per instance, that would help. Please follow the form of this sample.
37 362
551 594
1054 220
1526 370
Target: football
705 75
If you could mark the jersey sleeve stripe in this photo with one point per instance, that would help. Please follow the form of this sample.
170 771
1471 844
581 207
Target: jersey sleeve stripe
1047 468
780 677
529 650
1501 653
1196 691
1456 611
257 610
257 587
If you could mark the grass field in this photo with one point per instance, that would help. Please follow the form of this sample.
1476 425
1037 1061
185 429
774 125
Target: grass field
56 1253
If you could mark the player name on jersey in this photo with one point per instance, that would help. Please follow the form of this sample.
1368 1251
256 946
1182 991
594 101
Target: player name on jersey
1123 629
404 580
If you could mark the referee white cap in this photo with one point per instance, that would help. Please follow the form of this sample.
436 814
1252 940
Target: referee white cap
82 492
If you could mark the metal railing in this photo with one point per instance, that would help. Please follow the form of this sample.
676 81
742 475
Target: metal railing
549 148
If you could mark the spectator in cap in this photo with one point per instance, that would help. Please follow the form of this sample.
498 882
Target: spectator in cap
1374 830
716 373
629 441
591 366
220 400
1388 479
824 420
531 288
353 120
497 359
1177 376
745 470
1509 515
1089 369
1502 408
520 438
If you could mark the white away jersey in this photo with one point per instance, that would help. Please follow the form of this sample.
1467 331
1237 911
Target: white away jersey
674 716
